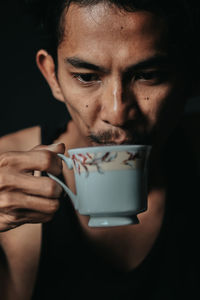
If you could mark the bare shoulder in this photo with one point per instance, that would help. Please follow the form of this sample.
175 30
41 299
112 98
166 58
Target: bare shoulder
21 140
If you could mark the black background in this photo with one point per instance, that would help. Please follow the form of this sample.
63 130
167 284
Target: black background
26 99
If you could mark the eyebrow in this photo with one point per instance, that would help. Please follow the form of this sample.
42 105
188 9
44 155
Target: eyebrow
156 60
81 64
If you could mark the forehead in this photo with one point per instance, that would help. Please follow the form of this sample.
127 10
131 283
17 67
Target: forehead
102 28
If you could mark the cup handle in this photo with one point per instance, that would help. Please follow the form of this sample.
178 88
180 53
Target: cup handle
69 164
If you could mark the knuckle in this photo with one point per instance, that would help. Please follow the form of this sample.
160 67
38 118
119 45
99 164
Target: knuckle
6 158
53 206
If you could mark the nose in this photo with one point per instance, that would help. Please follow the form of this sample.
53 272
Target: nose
117 105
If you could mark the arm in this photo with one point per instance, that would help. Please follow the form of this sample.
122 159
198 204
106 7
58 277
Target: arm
20 247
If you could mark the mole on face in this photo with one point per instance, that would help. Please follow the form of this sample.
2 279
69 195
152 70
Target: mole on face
86 106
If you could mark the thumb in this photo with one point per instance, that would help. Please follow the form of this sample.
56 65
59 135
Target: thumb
57 148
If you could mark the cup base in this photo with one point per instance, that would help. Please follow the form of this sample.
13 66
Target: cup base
105 221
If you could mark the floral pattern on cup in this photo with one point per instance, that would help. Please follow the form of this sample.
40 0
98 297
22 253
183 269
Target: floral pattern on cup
91 162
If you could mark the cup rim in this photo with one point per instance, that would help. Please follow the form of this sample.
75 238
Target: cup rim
108 148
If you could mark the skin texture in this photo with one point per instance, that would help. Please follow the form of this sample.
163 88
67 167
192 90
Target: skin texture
118 103
115 100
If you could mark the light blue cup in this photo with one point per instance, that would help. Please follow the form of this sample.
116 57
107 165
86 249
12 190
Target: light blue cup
111 183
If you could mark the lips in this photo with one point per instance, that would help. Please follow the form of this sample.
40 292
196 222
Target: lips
107 138
118 141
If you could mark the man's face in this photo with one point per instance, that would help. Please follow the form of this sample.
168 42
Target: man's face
116 77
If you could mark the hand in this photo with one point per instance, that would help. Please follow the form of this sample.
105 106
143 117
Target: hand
25 198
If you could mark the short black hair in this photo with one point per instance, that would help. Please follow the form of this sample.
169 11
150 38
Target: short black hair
182 18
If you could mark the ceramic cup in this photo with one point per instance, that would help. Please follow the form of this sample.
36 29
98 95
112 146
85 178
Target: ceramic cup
111 183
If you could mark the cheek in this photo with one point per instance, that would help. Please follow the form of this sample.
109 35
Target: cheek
152 101
83 107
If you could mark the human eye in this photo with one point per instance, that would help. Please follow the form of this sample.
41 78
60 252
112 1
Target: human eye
151 77
87 78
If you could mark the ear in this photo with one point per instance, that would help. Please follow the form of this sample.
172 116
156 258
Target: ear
46 65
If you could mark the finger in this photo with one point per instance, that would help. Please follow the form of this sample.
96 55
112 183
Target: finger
32 185
14 202
17 218
40 160
57 148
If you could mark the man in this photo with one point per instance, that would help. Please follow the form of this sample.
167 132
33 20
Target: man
118 67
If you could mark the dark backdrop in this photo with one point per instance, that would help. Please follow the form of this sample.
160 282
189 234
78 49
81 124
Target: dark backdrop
26 99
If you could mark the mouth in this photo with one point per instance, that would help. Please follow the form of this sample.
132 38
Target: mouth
110 138
102 142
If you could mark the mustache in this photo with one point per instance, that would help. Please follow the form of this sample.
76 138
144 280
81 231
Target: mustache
109 137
